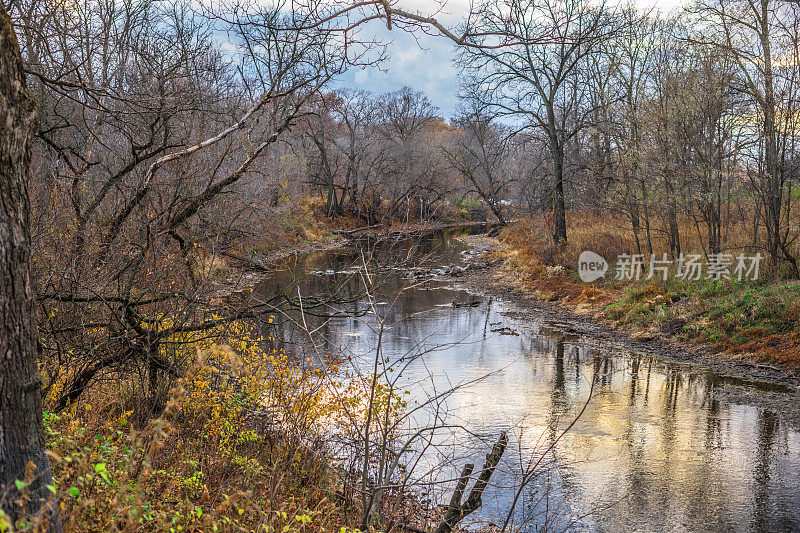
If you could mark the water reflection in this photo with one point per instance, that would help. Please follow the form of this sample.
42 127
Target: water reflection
660 447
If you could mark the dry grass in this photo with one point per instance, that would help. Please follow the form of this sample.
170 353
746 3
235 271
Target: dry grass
757 320
206 265
213 461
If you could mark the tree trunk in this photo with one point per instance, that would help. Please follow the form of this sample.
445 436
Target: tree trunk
489 200
773 185
646 214
673 234
22 438
559 203
498 212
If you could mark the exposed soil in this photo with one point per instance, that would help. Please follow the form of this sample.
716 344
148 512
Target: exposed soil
490 282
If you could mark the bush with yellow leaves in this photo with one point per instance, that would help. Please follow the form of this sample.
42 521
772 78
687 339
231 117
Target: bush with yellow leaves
240 446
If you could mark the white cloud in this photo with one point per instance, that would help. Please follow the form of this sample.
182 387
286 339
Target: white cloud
362 76
425 63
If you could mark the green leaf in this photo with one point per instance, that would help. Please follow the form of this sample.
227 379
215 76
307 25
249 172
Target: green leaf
102 471
20 484
51 488
74 491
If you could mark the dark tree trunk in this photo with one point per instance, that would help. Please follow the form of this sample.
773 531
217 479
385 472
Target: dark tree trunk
559 202
456 511
498 212
646 213
22 437
490 200
774 186
673 232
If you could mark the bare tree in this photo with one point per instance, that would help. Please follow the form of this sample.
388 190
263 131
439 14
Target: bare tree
152 129
537 80
356 115
480 153
409 162
755 33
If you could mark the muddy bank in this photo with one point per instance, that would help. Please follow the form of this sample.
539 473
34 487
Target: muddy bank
491 282
418 230
244 272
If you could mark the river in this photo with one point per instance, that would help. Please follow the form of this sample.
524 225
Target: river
661 446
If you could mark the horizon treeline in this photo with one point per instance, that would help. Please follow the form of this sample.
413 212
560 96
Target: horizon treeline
564 105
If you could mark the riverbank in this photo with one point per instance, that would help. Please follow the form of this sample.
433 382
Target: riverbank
679 323
223 460
556 297
243 272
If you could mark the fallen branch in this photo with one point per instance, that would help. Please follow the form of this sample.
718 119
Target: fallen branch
456 511
352 231
249 263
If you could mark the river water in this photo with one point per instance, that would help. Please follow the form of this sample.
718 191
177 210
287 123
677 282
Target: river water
660 446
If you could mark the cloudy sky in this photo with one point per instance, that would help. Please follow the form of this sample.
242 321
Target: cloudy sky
426 63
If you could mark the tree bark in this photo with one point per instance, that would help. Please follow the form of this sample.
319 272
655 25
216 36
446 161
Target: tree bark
22 438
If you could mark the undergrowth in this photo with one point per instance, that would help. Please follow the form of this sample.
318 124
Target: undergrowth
243 443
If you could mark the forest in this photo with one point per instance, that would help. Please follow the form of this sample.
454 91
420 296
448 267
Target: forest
160 160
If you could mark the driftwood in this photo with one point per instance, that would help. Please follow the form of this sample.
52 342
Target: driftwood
249 263
457 510
470 303
351 231
505 330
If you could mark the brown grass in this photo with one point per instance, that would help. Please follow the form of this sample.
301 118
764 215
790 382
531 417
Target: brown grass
759 320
